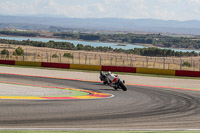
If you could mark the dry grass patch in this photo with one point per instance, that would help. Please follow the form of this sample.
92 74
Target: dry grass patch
43 54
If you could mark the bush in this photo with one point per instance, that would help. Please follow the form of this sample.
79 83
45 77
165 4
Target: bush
54 56
68 55
5 52
186 64
19 51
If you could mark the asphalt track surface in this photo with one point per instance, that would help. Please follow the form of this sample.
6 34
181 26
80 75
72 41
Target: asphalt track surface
141 107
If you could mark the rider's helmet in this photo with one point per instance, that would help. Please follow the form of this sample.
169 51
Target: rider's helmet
108 73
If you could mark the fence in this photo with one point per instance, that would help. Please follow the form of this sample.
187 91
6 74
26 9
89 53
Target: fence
92 58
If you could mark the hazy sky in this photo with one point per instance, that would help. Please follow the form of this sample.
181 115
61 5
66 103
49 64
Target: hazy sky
132 9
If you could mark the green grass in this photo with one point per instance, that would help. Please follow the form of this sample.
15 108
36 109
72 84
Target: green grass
31 131
91 71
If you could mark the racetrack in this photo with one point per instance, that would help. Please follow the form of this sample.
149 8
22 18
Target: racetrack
141 107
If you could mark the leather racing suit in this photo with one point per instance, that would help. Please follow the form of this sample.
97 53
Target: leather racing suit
111 78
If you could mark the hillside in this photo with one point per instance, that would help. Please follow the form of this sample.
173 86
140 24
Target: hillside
106 24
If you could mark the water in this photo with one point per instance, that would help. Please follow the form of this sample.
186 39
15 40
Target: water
95 44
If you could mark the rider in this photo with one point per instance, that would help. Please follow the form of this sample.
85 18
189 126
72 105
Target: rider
111 78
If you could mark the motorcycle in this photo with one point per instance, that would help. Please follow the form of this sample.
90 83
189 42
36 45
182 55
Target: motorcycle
116 83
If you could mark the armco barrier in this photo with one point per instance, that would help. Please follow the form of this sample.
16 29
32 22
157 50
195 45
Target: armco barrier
85 67
155 71
28 63
118 69
55 65
187 73
7 62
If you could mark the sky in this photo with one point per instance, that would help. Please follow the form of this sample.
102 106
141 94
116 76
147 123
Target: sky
130 9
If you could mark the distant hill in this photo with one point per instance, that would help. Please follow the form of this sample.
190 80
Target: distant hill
107 24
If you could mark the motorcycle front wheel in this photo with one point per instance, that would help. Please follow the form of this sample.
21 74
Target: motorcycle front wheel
122 86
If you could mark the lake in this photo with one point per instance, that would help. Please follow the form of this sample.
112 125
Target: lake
95 44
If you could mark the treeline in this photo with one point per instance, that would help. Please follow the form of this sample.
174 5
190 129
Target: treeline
70 46
162 52
128 38
178 42
19 33
154 39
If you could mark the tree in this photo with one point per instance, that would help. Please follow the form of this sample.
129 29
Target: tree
68 55
54 56
19 51
186 64
5 52
80 47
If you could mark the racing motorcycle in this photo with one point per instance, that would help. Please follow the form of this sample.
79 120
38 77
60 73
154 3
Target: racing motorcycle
116 83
